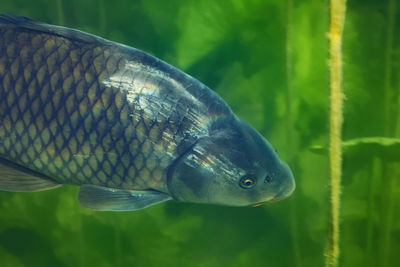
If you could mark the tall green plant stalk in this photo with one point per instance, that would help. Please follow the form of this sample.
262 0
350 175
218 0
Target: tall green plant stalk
390 169
60 12
289 128
80 246
389 172
102 18
387 86
374 182
337 17
117 244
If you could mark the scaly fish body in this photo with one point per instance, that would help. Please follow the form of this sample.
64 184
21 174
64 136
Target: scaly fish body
84 110
78 109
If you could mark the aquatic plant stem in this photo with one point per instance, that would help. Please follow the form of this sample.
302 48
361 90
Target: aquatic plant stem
389 172
80 236
117 246
289 129
375 177
102 18
390 169
60 14
388 90
337 17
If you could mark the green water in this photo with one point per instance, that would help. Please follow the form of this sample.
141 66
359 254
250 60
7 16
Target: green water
268 60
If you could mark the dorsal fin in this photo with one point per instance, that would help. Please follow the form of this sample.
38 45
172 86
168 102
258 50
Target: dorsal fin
10 20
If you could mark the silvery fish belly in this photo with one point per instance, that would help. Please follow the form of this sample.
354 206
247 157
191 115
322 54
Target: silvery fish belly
129 129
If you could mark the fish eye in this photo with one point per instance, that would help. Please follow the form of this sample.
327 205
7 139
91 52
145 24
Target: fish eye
246 182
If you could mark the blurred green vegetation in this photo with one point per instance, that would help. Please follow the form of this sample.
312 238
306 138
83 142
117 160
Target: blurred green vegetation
268 60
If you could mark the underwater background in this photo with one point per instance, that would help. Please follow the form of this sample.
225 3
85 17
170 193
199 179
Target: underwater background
269 60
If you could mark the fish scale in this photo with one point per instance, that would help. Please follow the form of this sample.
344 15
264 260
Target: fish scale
59 119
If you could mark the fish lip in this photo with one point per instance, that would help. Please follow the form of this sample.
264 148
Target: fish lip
174 164
275 199
280 196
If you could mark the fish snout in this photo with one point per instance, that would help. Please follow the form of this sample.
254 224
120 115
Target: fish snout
282 185
287 185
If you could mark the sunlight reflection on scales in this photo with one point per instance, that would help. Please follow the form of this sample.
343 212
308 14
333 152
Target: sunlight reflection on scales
144 87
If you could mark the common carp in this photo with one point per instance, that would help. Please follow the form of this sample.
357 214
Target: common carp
129 129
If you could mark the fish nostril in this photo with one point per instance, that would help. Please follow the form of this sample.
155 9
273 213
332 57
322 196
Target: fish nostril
268 178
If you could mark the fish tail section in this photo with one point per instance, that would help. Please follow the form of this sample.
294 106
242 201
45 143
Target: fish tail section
18 179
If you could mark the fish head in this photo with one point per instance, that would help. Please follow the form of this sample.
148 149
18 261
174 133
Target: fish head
234 165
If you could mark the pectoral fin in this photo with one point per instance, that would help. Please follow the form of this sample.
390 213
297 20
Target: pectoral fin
111 199
19 179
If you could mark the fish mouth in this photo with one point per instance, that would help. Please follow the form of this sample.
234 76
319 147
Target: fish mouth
275 199
285 193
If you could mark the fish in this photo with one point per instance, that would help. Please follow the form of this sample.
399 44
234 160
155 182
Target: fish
129 129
